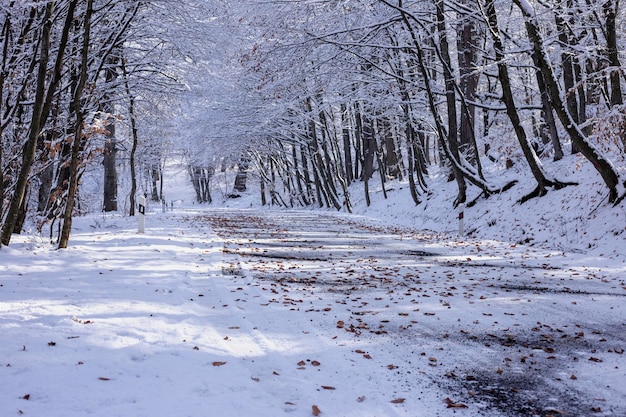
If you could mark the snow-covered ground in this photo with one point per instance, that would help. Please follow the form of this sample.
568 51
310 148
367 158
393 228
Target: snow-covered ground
241 311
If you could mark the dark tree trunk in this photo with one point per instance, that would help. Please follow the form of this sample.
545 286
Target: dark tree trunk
610 12
548 118
451 102
469 74
574 93
109 161
242 175
347 148
77 110
135 138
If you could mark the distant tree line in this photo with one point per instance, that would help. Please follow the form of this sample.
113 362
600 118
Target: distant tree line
379 90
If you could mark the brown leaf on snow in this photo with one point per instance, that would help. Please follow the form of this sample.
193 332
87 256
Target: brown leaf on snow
103 378
301 363
592 359
452 404
340 324
316 410
218 363
398 401
328 387
26 397
315 363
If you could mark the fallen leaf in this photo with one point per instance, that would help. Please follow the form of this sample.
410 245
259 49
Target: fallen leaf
328 387
316 410
103 378
218 363
398 401
315 363
452 404
26 397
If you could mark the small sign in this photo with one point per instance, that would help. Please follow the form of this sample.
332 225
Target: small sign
142 209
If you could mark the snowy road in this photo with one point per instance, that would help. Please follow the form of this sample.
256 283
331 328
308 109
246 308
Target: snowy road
271 313
493 327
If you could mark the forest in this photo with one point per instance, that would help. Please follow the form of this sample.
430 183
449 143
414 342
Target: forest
309 96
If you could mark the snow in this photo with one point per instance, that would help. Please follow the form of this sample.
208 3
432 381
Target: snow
235 310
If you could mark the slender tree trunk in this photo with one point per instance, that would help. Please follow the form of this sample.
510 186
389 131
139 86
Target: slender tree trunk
548 117
451 102
347 148
109 160
78 111
467 40
135 138
242 174
610 12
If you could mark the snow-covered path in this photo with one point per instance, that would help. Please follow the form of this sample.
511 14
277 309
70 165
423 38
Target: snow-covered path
269 313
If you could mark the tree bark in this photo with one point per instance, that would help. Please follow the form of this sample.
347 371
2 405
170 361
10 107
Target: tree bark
135 138
610 12
78 110
109 160
449 82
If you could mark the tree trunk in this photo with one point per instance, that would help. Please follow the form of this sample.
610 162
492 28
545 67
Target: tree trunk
451 102
610 13
135 138
548 117
77 110
109 161
469 74
347 148
574 93
242 174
